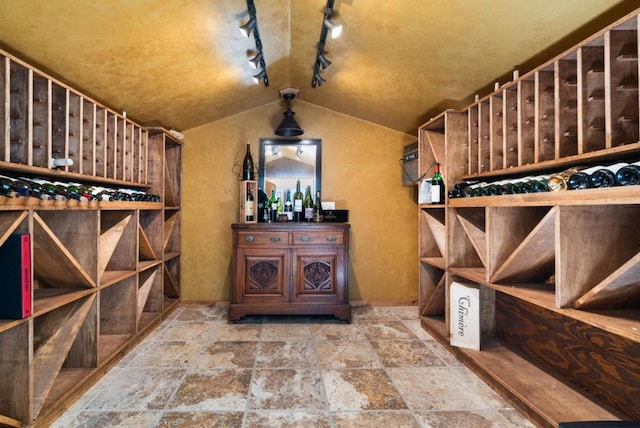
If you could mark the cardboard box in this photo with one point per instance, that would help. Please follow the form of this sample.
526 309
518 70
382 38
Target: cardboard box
472 314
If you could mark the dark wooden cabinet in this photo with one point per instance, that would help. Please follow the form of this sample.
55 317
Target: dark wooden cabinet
290 268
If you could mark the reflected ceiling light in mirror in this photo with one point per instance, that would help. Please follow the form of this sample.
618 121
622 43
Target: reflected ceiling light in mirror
288 127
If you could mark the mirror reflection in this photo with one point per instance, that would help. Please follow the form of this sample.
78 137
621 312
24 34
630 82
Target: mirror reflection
283 162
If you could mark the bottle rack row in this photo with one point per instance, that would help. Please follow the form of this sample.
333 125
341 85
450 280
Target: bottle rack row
49 125
561 268
584 101
99 278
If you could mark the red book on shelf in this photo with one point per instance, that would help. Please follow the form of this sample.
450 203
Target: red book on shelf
15 280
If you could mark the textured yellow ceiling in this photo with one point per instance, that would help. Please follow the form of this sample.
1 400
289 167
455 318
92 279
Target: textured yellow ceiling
182 63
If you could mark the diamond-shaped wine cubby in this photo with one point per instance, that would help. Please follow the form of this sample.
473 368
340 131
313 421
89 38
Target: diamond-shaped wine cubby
118 305
172 227
171 279
522 245
150 242
150 296
599 273
432 236
118 245
468 252
63 350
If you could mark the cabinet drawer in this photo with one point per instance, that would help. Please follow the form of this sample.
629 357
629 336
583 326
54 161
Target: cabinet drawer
263 238
318 237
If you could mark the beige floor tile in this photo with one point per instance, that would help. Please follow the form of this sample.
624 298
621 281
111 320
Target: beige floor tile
195 331
286 331
201 420
340 354
213 390
436 388
361 389
405 353
334 331
286 389
137 389
226 354
90 419
263 419
405 312
286 354
170 353
203 313
389 419
370 313
387 330
463 418
226 331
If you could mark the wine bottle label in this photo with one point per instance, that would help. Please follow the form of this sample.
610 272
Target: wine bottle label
297 205
308 213
248 209
435 194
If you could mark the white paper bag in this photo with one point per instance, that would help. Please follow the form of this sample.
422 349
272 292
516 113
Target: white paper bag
424 193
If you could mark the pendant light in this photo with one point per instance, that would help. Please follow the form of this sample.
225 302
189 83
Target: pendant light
288 127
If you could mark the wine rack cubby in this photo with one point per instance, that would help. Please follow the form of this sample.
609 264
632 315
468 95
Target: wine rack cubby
104 273
562 268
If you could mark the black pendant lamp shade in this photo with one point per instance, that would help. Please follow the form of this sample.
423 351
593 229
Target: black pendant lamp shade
288 127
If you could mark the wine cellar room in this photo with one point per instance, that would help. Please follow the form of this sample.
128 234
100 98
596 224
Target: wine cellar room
320 213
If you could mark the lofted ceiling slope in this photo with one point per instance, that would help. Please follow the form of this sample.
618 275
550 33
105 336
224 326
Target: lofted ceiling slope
182 63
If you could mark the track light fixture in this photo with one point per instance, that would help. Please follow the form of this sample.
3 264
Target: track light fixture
256 61
321 60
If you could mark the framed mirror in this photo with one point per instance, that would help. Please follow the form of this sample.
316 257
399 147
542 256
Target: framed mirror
283 161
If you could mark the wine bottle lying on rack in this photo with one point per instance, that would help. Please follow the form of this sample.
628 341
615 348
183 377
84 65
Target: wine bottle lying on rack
605 176
628 175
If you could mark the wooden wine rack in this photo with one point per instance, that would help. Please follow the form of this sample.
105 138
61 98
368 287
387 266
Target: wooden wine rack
104 274
565 266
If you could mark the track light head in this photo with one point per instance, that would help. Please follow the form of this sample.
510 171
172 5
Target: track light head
317 80
247 28
256 59
334 29
324 62
261 76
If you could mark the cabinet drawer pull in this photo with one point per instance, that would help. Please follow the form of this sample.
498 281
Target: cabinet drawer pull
331 239
275 239
249 238
305 238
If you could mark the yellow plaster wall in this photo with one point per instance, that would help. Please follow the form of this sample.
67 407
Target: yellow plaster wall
360 171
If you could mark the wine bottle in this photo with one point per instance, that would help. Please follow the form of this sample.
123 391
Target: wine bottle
558 181
19 186
318 214
273 207
280 205
288 206
437 186
248 205
628 175
6 189
605 176
247 165
581 179
297 203
263 200
307 205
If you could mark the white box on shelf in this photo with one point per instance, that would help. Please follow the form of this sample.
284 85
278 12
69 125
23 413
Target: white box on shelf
472 314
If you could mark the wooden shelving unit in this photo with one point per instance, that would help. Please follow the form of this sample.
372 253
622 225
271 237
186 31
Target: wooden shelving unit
563 267
104 273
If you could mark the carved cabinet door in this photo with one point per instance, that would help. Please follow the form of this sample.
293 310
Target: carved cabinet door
263 274
317 274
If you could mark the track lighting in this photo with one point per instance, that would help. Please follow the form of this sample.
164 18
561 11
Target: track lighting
257 61
321 60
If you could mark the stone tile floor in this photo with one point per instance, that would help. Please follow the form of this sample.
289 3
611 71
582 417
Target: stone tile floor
198 370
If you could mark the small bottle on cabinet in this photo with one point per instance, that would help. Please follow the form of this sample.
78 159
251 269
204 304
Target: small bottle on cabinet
297 203
248 205
307 205
437 186
317 209
288 206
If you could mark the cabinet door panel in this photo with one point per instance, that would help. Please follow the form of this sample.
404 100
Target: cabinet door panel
264 275
317 275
